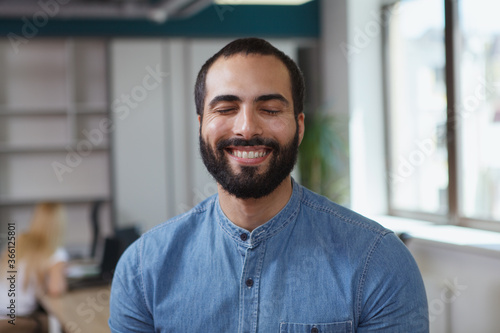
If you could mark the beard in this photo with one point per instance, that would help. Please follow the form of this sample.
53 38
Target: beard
248 183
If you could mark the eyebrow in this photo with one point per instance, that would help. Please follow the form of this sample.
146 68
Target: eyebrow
224 98
270 97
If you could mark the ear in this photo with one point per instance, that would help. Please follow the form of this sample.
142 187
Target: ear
300 122
200 122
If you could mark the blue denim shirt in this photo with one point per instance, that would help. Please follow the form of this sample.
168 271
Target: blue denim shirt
314 267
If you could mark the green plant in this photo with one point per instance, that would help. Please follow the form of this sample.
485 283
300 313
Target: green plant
324 157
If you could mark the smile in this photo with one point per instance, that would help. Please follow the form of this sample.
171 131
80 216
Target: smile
248 154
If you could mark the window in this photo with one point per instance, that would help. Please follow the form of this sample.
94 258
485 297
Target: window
442 64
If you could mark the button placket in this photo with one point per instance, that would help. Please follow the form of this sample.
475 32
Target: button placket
249 295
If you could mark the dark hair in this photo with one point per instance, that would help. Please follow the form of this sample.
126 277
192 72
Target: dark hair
252 46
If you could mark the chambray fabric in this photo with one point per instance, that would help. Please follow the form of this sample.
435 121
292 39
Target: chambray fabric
314 267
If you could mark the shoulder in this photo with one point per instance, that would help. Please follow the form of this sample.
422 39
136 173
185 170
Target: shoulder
384 267
156 241
337 216
144 260
351 233
188 220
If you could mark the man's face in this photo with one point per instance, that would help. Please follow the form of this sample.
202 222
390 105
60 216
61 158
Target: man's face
249 136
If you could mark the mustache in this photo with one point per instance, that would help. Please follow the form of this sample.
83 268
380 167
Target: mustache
257 141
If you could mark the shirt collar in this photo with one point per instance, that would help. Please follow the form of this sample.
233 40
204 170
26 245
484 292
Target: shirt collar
287 215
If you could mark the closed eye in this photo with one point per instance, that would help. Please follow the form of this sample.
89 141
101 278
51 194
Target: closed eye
222 111
272 112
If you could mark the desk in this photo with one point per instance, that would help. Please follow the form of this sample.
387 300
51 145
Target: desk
80 311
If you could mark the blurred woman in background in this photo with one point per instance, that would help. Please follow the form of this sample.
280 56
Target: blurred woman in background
40 262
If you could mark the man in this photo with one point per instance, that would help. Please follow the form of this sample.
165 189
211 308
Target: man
264 254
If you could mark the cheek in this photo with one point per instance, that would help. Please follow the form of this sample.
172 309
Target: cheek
287 128
214 129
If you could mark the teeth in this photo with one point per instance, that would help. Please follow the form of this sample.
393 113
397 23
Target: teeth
249 154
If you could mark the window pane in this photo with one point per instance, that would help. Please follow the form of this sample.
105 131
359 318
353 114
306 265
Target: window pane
479 109
417 102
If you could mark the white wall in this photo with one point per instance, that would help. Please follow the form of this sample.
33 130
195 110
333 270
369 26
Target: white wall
367 115
462 284
335 78
352 85
139 136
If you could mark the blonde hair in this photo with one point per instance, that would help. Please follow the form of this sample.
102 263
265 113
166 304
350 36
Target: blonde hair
36 246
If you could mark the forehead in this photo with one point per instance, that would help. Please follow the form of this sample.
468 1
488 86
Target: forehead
250 75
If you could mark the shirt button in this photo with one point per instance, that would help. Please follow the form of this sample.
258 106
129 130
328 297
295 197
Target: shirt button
249 282
244 237
314 330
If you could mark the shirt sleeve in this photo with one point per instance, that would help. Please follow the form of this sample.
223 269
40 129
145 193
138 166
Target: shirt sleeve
129 311
392 297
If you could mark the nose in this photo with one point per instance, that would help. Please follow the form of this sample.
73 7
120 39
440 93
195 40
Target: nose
247 123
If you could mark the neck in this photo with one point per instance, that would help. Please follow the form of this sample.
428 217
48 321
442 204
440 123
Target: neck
252 213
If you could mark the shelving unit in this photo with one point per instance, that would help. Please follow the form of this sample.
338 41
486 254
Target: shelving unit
53 147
